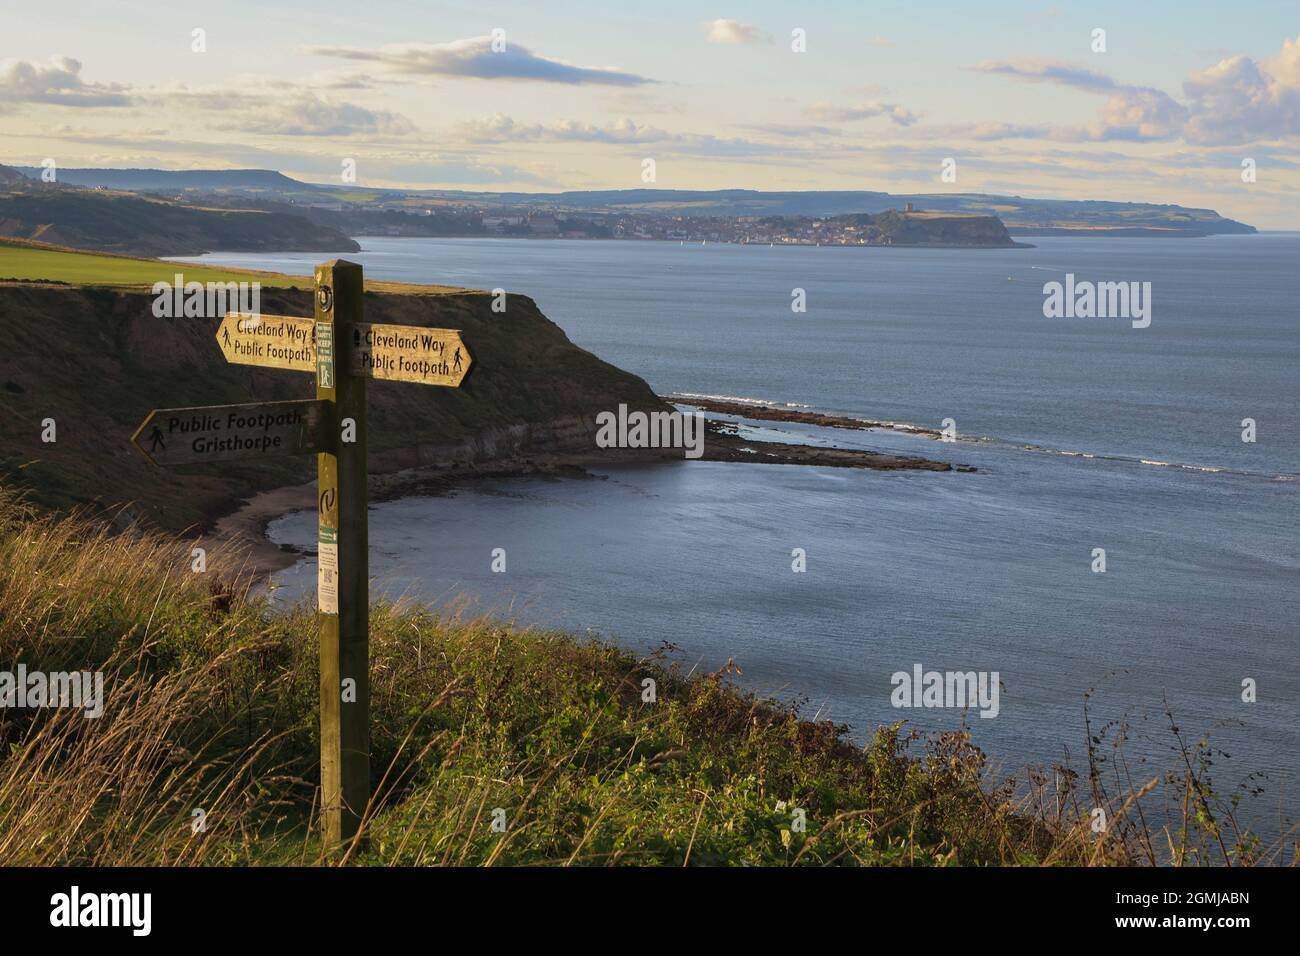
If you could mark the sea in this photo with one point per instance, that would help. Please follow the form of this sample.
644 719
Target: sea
1098 445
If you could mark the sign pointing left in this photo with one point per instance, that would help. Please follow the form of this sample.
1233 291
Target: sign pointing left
275 341
186 436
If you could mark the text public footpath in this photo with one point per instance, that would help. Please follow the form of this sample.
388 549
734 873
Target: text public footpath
234 422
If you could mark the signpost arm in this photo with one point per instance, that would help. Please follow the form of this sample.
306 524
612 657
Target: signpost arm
343 587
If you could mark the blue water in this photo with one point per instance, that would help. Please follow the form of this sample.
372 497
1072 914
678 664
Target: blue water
987 571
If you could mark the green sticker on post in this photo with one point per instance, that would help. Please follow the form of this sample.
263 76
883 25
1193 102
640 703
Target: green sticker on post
327 577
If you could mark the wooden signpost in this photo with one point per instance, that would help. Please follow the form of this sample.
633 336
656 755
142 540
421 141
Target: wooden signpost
343 351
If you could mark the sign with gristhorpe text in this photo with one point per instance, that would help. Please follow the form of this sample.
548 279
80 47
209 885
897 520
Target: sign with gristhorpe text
185 436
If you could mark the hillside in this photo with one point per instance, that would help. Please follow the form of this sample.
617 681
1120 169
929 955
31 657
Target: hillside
930 229
127 223
214 698
1022 215
96 360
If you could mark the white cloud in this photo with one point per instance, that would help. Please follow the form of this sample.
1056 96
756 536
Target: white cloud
1139 113
306 114
731 31
475 58
1049 71
500 128
1238 100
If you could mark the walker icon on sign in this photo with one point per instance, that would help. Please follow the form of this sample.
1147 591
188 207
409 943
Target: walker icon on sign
185 436
403 353
275 341
325 354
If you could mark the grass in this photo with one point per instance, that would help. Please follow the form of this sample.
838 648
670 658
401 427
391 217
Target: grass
211 703
27 261
32 262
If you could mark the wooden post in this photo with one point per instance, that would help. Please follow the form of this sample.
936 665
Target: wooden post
343 587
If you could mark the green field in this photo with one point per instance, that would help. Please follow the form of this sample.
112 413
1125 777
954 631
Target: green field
35 262
20 260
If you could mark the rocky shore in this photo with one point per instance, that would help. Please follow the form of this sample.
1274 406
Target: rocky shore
778 413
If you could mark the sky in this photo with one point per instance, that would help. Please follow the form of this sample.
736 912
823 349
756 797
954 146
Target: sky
1025 97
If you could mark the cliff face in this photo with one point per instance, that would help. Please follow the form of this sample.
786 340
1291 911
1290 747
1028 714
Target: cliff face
97 361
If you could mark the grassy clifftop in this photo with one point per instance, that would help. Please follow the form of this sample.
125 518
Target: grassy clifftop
95 359
587 754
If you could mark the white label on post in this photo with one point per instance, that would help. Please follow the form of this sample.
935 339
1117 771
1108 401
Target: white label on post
327 578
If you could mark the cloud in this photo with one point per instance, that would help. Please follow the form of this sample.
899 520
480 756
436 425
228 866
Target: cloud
991 130
274 106
308 115
1238 100
320 80
839 114
793 130
475 58
1136 113
1140 114
731 31
57 82
500 128
1047 71
881 42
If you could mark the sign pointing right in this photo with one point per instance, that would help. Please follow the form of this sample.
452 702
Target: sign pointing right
408 353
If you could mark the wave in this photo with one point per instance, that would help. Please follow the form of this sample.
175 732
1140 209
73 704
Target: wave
1137 460
741 400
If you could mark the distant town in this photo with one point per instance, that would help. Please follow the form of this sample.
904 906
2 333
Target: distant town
784 230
